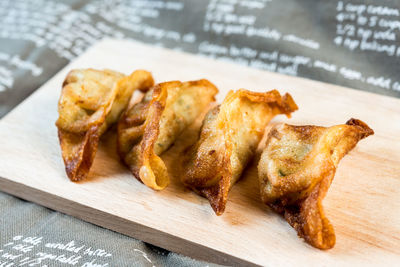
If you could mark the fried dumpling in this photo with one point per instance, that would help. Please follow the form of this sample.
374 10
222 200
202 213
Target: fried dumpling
91 101
296 169
151 126
229 137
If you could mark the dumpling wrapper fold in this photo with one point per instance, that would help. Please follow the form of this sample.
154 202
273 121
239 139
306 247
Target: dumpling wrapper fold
91 101
151 126
229 137
296 169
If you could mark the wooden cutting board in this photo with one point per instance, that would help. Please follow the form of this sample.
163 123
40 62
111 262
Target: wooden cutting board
363 202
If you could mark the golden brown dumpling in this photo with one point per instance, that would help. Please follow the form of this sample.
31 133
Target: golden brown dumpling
151 126
91 101
228 139
296 169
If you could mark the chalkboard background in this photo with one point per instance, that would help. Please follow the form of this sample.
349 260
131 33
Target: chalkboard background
350 43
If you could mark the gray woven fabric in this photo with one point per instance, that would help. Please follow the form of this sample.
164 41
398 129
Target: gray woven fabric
350 43
20 220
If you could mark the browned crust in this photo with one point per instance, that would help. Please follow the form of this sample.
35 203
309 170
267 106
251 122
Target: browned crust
203 82
77 166
137 151
149 122
306 215
217 195
363 129
217 163
285 103
308 218
79 142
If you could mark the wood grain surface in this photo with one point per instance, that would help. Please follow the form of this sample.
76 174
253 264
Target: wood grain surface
363 202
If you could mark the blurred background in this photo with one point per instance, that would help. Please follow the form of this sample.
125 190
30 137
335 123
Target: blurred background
350 43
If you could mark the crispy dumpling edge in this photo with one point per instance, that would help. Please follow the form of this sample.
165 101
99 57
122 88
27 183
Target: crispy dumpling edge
218 193
307 215
78 166
153 171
